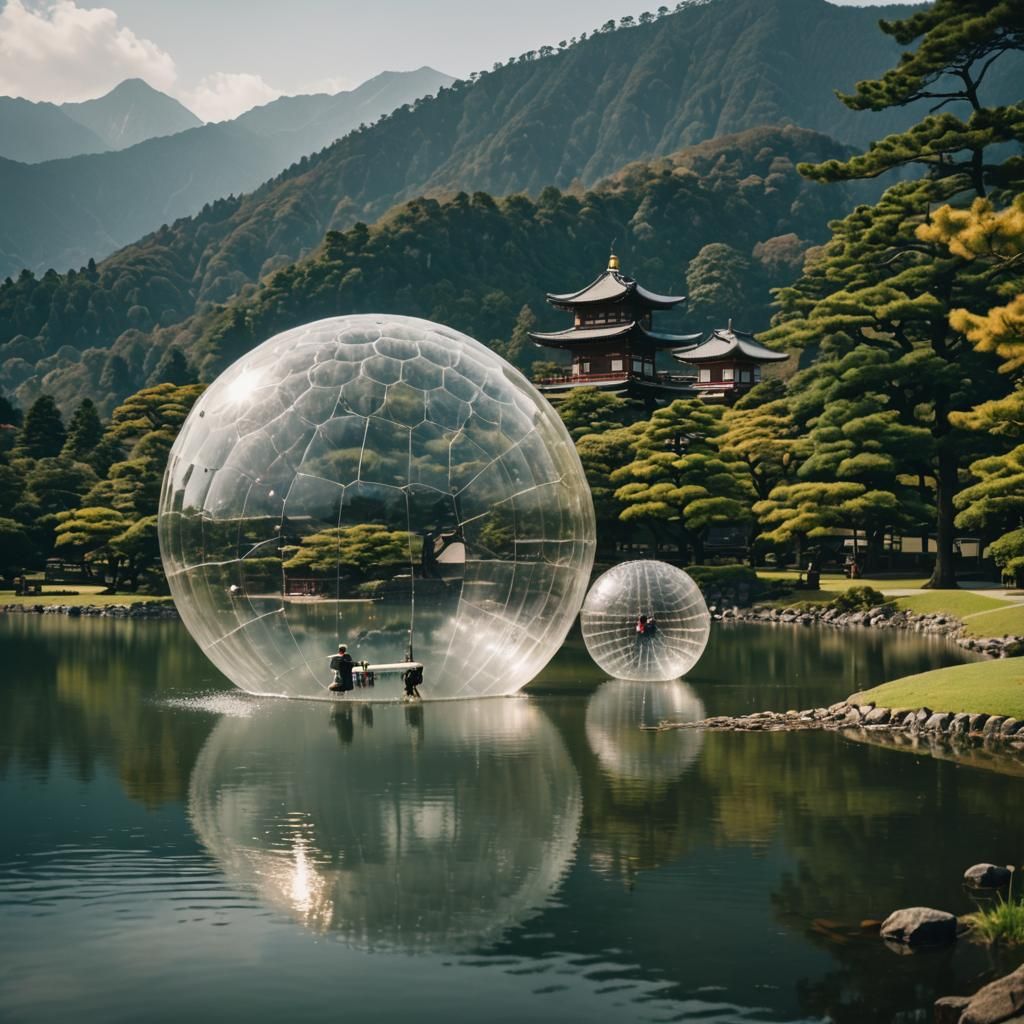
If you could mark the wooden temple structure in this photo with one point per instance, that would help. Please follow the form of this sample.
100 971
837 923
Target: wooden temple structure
613 346
612 342
728 363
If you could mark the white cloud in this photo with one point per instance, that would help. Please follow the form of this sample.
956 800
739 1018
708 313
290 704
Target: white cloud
55 50
225 94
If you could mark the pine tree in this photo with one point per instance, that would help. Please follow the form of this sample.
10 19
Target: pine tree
680 480
173 368
42 434
85 431
876 301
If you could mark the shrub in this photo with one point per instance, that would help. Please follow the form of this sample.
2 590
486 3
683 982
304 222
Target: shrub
1003 922
857 599
710 576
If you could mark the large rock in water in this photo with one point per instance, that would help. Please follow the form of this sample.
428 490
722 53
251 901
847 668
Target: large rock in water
919 926
1002 1000
987 876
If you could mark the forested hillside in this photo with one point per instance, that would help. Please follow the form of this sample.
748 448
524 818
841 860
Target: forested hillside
546 117
734 205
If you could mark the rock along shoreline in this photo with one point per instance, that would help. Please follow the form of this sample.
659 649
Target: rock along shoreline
881 617
140 610
905 726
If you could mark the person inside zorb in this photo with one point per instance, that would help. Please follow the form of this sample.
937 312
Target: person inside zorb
380 478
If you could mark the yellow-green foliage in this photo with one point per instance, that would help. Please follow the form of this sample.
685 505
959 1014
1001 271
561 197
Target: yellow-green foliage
1003 922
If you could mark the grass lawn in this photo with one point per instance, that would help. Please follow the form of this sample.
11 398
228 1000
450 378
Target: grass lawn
989 687
85 596
835 583
1005 621
957 603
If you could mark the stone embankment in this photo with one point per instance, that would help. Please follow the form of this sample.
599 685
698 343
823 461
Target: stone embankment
908 723
882 617
139 610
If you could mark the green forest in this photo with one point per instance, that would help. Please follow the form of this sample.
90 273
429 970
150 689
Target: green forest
901 409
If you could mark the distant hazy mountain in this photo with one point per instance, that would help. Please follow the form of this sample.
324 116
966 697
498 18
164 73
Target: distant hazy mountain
31 132
62 212
131 112
307 123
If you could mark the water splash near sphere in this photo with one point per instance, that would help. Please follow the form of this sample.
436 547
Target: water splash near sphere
384 482
654 595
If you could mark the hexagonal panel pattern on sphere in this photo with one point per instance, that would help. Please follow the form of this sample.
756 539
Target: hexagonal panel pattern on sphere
382 482
646 621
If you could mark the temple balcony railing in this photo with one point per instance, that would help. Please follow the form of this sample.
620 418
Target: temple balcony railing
620 376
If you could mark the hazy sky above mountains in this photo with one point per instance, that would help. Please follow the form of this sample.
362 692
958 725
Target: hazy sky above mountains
221 57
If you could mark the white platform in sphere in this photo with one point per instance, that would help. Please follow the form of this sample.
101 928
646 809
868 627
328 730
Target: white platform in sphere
620 596
364 480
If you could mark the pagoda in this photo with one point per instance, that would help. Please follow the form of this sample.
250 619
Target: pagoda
612 342
728 363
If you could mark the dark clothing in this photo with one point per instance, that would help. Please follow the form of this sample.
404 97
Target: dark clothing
342 666
413 679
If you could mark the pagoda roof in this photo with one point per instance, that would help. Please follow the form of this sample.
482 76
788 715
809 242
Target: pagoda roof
613 286
575 337
725 342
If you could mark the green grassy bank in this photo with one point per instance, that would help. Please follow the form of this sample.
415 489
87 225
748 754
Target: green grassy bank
982 687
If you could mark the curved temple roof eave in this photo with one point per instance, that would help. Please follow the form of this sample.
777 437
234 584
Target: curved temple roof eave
612 286
725 343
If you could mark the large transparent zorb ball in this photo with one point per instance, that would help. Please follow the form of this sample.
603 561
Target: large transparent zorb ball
383 482
645 620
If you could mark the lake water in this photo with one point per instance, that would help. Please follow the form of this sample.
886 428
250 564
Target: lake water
172 849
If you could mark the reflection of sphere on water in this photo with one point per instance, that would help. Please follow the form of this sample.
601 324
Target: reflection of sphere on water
645 620
618 709
370 457
413 828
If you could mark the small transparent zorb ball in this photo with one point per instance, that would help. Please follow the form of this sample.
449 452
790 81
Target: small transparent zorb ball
645 620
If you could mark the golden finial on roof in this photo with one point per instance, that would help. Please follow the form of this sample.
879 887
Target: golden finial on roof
613 262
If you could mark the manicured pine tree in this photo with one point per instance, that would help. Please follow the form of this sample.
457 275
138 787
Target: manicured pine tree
680 482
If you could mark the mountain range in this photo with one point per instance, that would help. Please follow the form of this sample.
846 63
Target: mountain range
548 118
62 212
130 113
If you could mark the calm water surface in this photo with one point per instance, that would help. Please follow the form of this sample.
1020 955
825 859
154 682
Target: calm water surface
173 848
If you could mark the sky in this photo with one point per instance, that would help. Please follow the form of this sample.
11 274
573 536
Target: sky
221 57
